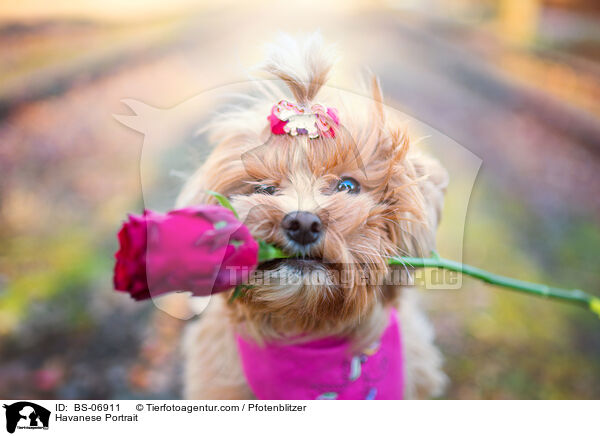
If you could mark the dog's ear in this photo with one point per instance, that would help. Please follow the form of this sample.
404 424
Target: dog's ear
415 198
410 186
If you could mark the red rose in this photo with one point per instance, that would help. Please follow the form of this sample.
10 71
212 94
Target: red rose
202 249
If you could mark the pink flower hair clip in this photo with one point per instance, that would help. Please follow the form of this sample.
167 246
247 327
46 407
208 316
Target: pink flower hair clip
292 119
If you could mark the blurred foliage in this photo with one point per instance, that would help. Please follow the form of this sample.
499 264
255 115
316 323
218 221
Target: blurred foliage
63 264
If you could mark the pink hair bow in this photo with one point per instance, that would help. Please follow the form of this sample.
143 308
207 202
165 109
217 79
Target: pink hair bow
292 119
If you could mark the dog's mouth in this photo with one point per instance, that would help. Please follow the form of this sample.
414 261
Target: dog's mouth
297 262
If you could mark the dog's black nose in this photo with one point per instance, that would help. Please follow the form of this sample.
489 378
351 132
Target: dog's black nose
302 227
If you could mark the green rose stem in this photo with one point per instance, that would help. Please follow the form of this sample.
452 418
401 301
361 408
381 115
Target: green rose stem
574 296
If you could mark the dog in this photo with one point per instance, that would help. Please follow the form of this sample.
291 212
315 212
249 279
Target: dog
340 188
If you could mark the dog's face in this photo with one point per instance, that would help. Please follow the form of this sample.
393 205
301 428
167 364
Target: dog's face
335 205
339 204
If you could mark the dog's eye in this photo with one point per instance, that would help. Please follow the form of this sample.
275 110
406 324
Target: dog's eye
265 189
349 185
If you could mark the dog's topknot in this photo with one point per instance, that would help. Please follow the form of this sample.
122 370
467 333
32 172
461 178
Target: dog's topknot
303 65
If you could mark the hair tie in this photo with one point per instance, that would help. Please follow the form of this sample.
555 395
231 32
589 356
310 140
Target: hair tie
292 119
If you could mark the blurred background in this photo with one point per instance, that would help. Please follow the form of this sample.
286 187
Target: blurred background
516 82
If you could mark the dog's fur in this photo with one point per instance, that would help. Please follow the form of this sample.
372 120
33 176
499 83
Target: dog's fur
396 213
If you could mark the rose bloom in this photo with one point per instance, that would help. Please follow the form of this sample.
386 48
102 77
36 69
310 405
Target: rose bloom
202 249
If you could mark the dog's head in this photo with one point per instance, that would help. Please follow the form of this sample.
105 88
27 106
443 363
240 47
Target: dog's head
340 204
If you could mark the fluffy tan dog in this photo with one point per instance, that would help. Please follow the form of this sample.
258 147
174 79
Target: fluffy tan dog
342 205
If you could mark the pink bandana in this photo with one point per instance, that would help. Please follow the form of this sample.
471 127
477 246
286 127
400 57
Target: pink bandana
293 119
325 369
